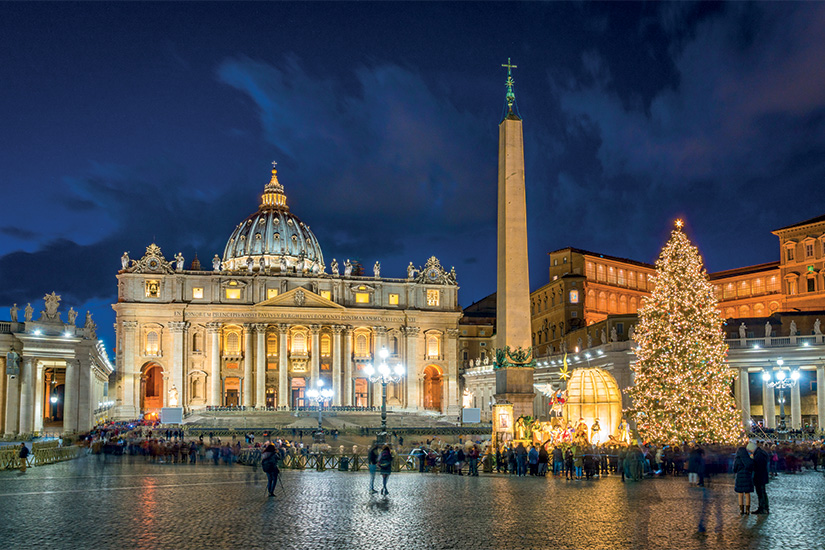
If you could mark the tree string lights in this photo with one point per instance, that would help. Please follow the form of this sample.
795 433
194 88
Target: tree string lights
681 390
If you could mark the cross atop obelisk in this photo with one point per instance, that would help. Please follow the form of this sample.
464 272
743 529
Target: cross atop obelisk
511 96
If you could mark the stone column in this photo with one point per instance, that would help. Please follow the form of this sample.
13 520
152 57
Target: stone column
39 399
336 365
347 333
820 397
12 404
768 406
26 395
214 330
451 356
745 397
70 396
246 386
315 356
796 407
85 405
179 333
283 366
129 408
260 366
411 362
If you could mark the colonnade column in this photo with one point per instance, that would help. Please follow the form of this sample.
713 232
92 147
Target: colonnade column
70 396
745 397
796 408
246 387
130 404
260 366
283 374
179 331
315 356
347 332
820 396
85 406
411 361
214 330
39 397
336 365
26 395
768 406
451 355
12 404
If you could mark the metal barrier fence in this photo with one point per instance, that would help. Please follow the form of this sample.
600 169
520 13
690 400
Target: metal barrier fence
282 431
10 460
324 461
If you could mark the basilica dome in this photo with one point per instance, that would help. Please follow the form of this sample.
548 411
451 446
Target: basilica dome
273 238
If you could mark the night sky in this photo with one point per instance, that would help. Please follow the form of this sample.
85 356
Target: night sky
124 124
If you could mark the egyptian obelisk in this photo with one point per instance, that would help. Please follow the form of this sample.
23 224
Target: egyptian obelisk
514 360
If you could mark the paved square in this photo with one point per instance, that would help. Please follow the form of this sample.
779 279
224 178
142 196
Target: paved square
126 504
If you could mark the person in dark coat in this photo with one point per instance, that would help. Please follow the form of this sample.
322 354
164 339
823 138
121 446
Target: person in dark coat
743 480
269 464
696 466
385 467
761 477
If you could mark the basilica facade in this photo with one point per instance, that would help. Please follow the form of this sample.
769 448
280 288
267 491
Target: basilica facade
268 322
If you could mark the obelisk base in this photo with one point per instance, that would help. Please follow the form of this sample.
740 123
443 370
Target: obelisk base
515 385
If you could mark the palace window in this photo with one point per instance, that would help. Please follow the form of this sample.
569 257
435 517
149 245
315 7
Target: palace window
271 344
789 254
621 277
233 343
361 345
432 346
600 273
197 293
152 343
773 284
809 249
271 293
611 275
233 293
153 289
590 271
811 284
631 279
433 297
758 286
362 298
326 294
299 343
574 296
393 299
325 345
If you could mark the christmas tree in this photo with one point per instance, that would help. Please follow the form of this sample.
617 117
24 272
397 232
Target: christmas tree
682 387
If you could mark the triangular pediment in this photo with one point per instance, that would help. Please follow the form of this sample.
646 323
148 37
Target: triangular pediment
299 297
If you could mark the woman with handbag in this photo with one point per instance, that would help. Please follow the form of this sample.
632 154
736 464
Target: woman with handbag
269 464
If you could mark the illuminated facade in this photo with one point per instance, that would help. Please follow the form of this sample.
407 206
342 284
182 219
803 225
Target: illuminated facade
56 373
267 322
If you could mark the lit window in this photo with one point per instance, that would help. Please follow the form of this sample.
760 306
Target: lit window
152 343
325 345
197 292
271 293
271 344
574 296
233 343
433 297
809 249
789 254
326 294
432 346
393 299
233 293
299 343
153 289
362 298
361 345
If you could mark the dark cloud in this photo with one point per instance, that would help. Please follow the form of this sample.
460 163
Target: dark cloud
18 233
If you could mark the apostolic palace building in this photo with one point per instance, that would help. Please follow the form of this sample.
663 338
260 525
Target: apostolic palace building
268 321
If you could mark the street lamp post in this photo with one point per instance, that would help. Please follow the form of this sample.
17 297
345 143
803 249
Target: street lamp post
385 375
780 380
319 395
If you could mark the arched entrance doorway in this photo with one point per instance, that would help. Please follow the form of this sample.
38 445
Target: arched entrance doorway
232 391
151 387
433 382
298 386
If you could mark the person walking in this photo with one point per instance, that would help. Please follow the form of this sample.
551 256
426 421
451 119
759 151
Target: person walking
533 460
385 465
761 477
521 460
372 463
473 460
696 466
24 458
269 464
743 480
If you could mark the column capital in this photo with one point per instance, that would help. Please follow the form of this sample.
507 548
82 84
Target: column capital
178 326
337 329
213 327
452 332
346 329
130 325
283 328
315 329
380 330
260 327
411 331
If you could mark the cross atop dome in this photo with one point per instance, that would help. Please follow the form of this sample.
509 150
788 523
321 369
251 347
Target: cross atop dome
274 196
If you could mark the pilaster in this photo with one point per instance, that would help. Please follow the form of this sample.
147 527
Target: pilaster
214 330
768 406
451 355
347 335
414 380
283 366
336 365
315 355
70 396
180 331
129 408
247 384
260 366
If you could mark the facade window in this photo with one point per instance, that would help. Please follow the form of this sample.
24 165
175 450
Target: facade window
773 284
633 304
197 342
432 346
433 297
574 296
325 345
789 254
621 277
612 306
602 301
271 344
642 281
590 271
393 299
809 249
153 289
233 343
362 298
792 288
233 293
299 343
600 273
326 294
611 276
622 304
271 293
574 314
758 286
729 291
811 284
197 293
744 289
361 345
152 343
631 279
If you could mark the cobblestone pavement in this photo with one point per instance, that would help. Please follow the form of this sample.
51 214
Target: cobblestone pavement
88 503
